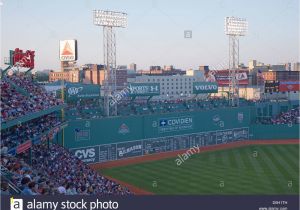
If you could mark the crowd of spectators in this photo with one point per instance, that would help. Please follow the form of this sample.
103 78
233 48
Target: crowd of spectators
52 169
13 136
55 170
15 104
92 108
83 109
289 117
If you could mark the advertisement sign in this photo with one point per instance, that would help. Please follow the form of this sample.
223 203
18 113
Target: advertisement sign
88 154
82 135
68 50
285 86
23 59
76 91
129 149
223 79
144 89
23 147
205 87
175 124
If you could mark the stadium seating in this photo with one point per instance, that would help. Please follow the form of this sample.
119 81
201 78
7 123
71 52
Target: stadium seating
32 98
289 117
48 168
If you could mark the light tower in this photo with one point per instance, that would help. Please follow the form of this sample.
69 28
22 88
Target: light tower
234 28
109 20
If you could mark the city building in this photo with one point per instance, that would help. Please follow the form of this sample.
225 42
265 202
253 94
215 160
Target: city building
281 75
121 78
169 68
296 66
122 67
157 70
171 86
153 68
94 74
69 76
278 67
132 66
204 68
252 64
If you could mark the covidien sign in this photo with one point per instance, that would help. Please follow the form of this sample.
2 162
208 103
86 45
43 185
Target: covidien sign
175 124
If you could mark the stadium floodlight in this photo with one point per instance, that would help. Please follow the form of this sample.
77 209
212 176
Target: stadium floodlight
234 28
109 20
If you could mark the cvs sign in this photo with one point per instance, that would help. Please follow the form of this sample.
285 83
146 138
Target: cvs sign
87 155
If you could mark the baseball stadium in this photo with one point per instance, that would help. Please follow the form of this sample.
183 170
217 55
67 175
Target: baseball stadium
101 129
54 145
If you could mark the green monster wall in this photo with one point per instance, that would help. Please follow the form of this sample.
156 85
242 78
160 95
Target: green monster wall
84 133
258 132
108 139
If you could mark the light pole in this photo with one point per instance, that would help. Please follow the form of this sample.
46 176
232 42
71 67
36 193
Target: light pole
109 20
1 4
234 28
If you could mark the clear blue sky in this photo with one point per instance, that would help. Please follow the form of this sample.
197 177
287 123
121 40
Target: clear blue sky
155 32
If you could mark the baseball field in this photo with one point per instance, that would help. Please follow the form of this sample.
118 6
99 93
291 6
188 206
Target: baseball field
252 169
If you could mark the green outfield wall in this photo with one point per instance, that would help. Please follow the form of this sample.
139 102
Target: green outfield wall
258 132
83 133
114 138
108 139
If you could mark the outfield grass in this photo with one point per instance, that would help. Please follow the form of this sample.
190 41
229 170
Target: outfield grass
275 170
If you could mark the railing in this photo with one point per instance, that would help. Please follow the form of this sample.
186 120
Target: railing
13 189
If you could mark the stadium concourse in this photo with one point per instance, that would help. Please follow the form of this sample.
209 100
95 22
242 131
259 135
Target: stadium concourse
31 162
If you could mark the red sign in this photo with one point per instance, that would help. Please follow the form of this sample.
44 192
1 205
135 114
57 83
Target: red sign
285 86
23 147
223 79
23 59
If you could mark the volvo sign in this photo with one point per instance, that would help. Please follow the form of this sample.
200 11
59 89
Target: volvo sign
205 87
